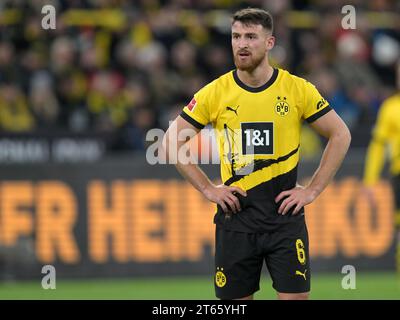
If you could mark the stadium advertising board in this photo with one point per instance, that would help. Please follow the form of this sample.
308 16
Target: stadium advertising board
119 218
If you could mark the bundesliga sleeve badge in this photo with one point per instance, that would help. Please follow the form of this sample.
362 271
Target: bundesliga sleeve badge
192 104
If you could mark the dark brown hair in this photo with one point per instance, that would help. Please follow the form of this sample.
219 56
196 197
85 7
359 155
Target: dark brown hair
254 16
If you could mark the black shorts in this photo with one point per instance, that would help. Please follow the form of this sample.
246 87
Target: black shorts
239 258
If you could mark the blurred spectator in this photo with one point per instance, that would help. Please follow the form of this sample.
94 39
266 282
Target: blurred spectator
44 104
217 60
62 55
133 135
105 99
328 85
183 58
14 112
356 74
8 66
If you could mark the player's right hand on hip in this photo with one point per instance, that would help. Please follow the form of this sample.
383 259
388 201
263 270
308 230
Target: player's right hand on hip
225 196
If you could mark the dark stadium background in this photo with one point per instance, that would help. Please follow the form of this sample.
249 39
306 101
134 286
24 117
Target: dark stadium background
76 103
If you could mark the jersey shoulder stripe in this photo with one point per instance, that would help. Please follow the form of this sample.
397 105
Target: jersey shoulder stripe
319 114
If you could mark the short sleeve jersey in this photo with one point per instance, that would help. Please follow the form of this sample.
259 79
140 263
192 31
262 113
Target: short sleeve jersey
257 129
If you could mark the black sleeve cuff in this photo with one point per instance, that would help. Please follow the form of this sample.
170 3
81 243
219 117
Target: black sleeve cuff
319 114
193 122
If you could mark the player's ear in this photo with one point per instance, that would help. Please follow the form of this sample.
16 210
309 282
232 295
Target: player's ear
270 42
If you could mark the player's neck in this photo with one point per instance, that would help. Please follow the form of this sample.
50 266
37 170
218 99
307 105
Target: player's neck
257 77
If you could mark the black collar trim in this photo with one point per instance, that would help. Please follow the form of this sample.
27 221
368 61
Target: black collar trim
257 89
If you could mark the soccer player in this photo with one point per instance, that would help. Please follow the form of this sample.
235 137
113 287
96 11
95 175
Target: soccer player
386 133
257 111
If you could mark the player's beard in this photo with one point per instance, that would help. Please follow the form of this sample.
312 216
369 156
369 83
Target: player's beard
250 64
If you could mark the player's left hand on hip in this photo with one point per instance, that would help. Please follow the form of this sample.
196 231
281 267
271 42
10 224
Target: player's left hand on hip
297 197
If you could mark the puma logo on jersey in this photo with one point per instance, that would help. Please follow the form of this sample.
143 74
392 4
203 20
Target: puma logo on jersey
299 273
231 109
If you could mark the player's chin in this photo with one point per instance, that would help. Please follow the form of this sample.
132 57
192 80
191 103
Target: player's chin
244 66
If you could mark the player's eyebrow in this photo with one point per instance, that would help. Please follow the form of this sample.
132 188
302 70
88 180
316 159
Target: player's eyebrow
247 34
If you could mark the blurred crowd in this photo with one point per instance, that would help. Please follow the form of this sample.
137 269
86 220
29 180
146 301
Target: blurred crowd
122 67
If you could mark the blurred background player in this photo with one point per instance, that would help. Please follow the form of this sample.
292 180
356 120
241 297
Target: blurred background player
386 134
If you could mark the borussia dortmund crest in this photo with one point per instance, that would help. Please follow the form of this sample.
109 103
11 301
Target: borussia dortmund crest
220 278
282 107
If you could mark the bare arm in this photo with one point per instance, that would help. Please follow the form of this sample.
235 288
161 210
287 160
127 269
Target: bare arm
175 139
332 127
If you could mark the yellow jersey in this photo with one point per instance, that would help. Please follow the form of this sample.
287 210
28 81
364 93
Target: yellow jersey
258 136
385 134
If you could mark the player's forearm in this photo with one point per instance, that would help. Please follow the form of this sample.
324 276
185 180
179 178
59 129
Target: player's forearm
196 176
333 156
190 171
374 162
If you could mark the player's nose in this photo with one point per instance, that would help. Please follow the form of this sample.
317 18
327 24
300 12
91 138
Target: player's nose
243 46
